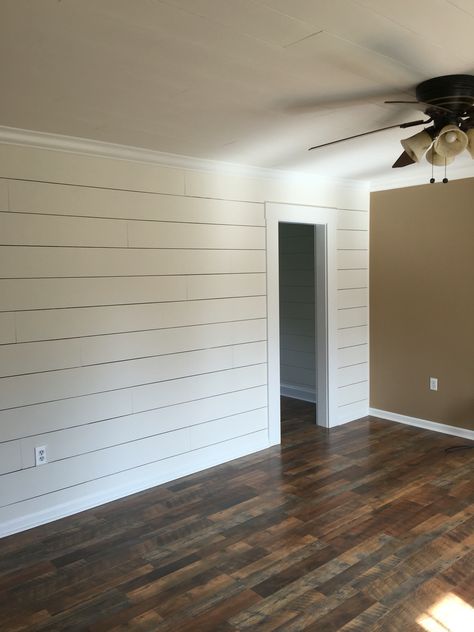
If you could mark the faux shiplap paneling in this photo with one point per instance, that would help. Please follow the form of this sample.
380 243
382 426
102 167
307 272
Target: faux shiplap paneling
166 393
34 261
31 482
63 502
129 321
38 164
352 374
354 317
352 301
3 195
352 239
225 285
38 419
42 387
352 336
350 298
347 279
87 438
7 328
93 321
352 259
353 393
10 457
352 220
286 190
48 230
207 236
42 197
133 322
352 355
34 357
28 294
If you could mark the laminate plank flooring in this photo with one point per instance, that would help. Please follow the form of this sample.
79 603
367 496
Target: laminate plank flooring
366 527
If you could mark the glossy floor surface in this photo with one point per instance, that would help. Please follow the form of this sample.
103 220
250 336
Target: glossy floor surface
366 527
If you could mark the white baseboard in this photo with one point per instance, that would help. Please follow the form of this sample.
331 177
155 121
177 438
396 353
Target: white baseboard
298 392
182 466
423 423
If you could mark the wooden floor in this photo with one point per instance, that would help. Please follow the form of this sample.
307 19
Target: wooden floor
365 527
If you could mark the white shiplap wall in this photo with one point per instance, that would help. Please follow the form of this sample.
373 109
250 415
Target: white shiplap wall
133 323
352 314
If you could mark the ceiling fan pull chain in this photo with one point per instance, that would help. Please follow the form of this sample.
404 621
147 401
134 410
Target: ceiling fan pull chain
445 179
432 180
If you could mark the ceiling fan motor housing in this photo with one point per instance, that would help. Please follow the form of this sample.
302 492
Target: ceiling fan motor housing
453 92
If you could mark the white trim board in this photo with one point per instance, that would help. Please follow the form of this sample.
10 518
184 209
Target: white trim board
179 466
299 214
423 423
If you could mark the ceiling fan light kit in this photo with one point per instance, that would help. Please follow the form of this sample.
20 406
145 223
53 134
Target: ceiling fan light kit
451 141
470 141
416 146
436 159
448 102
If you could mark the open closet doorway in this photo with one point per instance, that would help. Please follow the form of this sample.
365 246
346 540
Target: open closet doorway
302 321
302 309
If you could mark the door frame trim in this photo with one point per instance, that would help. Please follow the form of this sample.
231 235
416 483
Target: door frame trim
276 213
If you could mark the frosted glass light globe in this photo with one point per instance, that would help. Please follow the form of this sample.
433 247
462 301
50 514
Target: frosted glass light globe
450 137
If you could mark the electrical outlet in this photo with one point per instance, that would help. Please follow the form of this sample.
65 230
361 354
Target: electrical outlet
41 456
433 383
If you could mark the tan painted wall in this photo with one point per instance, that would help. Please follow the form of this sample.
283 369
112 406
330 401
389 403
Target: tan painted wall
422 301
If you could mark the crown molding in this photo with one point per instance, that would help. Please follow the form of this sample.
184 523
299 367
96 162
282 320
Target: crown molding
90 147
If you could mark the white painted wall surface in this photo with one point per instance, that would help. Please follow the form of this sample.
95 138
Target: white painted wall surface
133 323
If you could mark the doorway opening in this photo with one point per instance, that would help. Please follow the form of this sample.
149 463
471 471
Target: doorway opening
301 267
301 301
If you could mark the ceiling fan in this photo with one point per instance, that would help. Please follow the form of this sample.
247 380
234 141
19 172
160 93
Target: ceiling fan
448 102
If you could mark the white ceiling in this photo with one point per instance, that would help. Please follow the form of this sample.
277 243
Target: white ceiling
254 82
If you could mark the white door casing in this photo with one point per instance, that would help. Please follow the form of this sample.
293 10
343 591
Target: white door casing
276 213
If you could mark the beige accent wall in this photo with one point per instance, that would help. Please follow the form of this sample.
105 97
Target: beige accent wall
422 301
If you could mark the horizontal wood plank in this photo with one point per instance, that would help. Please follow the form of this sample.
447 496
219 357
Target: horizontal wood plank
36 419
47 230
32 262
34 357
43 387
352 317
352 355
348 279
352 239
173 235
70 442
352 336
91 321
349 298
42 197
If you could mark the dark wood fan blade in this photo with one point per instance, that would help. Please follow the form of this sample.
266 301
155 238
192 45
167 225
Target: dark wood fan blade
403 161
403 102
374 131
